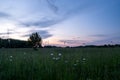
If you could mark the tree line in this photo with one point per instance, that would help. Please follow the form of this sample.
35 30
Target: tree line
34 41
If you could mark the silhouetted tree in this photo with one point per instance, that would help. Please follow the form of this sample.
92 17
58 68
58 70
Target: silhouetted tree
35 40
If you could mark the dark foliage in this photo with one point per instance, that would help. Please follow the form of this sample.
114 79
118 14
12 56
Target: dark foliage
12 43
35 40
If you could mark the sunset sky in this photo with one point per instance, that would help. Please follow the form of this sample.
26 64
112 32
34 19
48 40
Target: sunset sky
73 22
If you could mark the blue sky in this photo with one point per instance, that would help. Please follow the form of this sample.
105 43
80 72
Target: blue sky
73 22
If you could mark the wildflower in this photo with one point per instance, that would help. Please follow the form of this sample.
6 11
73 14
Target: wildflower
59 54
51 54
10 60
75 64
84 59
53 58
11 56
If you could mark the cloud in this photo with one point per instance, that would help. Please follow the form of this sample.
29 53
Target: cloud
9 31
99 35
6 33
40 23
51 4
43 33
114 40
46 22
78 42
4 15
61 14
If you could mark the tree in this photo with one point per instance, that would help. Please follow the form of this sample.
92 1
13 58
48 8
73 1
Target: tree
35 40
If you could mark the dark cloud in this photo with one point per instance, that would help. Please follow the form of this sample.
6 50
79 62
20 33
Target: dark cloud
99 35
62 14
2 15
6 33
9 32
40 23
46 22
43 33
52 6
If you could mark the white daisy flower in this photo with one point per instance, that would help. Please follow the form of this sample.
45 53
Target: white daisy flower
11 56
84 59
53 58
59 54
10 60
51 54
75 64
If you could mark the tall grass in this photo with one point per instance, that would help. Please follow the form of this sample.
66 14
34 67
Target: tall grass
60 64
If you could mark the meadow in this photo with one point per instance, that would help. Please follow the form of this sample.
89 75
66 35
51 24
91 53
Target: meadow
60 64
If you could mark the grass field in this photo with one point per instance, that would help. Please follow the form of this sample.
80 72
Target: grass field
60 64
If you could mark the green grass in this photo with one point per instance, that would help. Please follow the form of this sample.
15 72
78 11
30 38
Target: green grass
73 64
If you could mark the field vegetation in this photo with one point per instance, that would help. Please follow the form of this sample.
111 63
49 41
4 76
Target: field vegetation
60 64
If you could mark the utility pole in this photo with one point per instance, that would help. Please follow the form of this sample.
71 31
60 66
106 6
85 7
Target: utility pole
8 38
64 43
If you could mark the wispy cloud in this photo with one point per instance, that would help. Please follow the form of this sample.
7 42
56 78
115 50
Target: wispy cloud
4 15
40 23
43 33
9 31
98 35
114 40
78 42
48 22
59 16
51 4
6 33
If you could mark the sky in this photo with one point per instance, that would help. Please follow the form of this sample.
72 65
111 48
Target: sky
62 22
